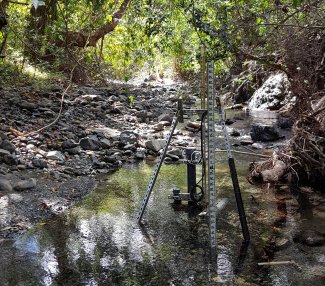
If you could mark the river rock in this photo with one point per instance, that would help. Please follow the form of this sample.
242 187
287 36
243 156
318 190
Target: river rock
7 145
165 117
105 143
91 97
3 153
235 133
230 121
73 151
25 184
38 163
264 133
128 137
310 238
176 151
142 114
68 144
258 146
55 155
194 125
5 185
3 136
140 153
172 157
89 144
10 159
154 144
27 105
158 127
273 94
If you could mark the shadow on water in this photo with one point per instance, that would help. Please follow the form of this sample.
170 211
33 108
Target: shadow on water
99 243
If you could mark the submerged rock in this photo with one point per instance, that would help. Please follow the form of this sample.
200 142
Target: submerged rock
264 133
310 238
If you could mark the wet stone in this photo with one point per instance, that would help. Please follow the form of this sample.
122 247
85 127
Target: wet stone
165 117
27 105
264 133
74 151
155 144
10 160
194 125
25 184
89 144
3 153
68 144
128 137
310 238
5 185
235 133
8 146
39 163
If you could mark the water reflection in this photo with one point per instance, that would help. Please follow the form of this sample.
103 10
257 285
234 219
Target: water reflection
98 243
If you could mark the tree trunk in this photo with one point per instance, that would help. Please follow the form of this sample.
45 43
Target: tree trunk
3 15
81 39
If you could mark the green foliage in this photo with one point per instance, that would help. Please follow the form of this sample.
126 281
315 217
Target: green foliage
152 35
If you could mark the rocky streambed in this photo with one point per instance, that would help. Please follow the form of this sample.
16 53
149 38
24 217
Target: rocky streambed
99 130
43 174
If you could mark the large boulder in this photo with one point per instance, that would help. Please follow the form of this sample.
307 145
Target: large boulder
273 94
264 133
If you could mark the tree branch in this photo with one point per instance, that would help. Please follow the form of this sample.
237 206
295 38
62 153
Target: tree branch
80 39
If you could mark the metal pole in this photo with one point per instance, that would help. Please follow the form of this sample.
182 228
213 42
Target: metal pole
211 162
156 171
203 77
234 178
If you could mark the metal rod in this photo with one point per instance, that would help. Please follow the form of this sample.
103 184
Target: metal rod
239 200
211 162
156 170
234 178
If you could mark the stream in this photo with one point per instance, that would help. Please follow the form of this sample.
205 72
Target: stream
97 242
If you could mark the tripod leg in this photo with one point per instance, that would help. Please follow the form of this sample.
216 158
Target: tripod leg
239 201
234 178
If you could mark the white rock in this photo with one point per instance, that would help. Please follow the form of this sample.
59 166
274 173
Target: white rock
55 155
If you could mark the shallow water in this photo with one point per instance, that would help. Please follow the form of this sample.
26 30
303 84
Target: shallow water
98 243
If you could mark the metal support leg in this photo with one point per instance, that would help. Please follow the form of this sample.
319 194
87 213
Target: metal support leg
191 173
157 168
234 178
